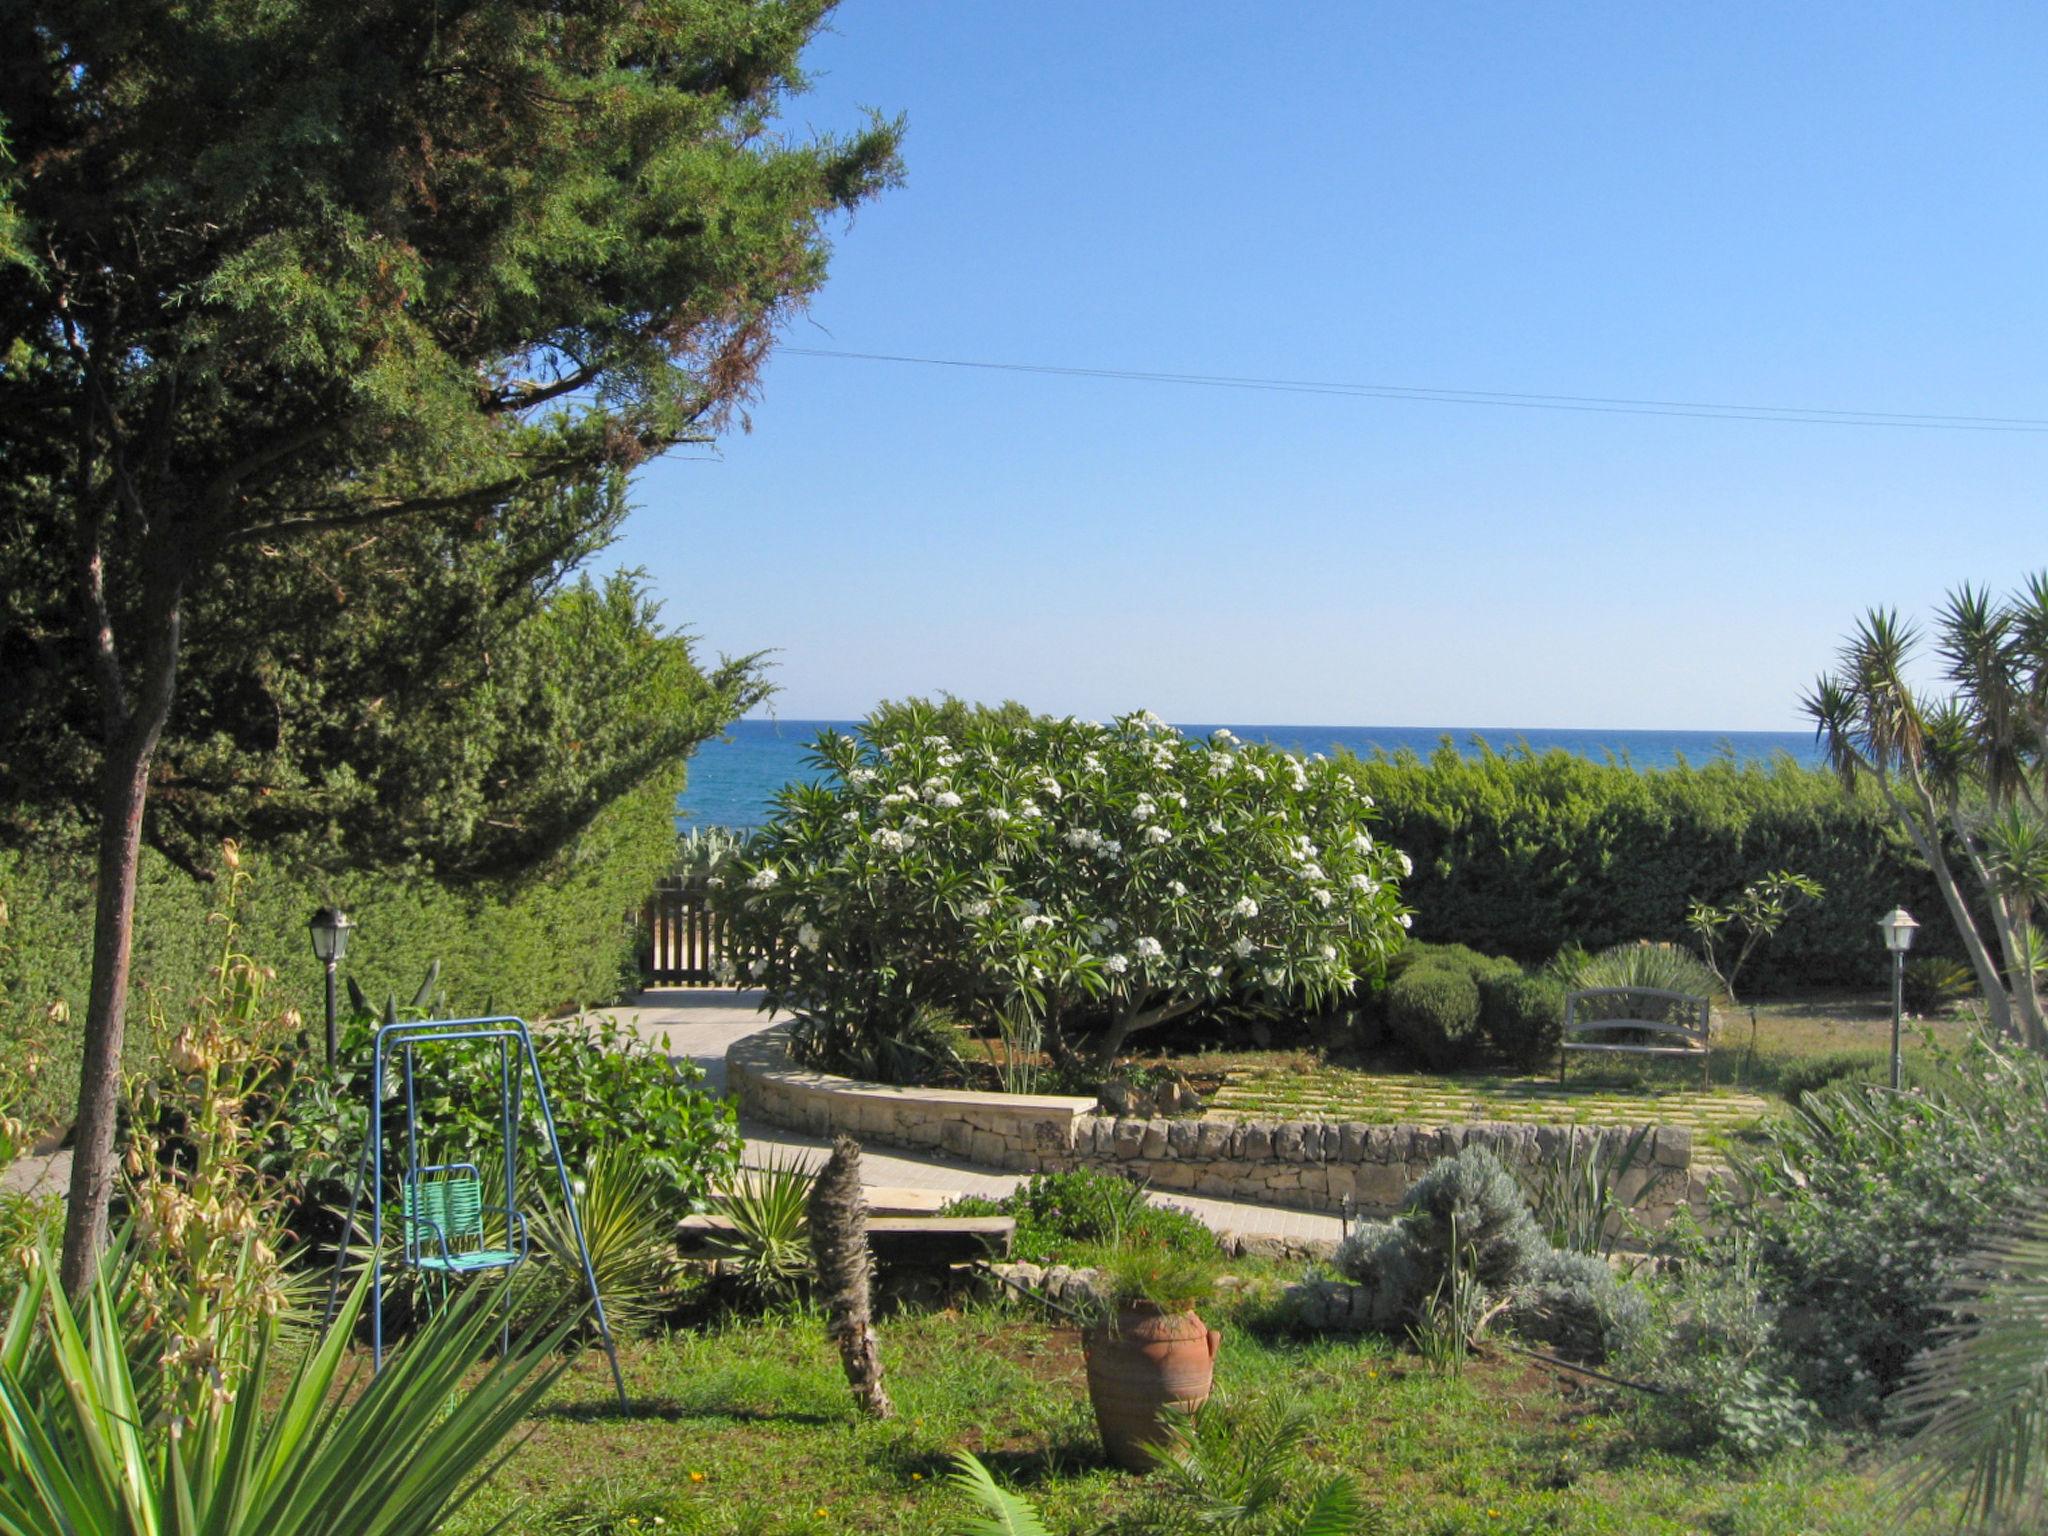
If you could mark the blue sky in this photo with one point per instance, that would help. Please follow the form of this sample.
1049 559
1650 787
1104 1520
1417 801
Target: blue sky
1836 206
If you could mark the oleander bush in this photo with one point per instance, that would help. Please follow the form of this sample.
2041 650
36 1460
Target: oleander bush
1104 880
1522 853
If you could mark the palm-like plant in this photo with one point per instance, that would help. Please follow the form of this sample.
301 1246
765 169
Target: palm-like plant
81 1450
768 1248
1967 771
630 1237
1978 1402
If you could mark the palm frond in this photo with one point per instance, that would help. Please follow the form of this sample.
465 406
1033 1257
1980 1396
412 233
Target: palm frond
1001 1512
1978 1402
1337 1510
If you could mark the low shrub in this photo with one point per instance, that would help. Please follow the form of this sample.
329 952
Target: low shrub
1433 1011
1524 1017
1059 1214
1492 1218
1932 985
1575 1303
1811 1073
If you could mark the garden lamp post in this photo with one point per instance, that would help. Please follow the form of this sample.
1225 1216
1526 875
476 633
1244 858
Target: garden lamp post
1898 929
330 929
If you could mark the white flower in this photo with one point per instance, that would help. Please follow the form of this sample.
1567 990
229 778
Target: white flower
1214 972
1116 965
1364 883
1032 920
756 966
1145 720
1362 843
1107 925
1090 763
1176 887
1311 871
1407 864
1242 949
1112 847
1050 787
1222 733
851 818
1215 826
1246 907
1028 809
949 759
1157 834
1407 921
1322 897
889 840
1149 949
1273 976
915 821
976 908
861 776
937 741
1083 837
898 797
998 815
1329 953
1144 810
1219 765
764 878
945 799
809 937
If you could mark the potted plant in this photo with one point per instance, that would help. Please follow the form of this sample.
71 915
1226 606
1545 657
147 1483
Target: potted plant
1147 1350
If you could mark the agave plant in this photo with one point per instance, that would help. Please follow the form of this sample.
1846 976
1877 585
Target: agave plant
81 1448
768 1248
1574 1196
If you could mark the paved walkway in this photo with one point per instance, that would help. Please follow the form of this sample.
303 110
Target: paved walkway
700 1022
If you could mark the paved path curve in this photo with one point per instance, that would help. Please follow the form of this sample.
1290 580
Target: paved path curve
700 1022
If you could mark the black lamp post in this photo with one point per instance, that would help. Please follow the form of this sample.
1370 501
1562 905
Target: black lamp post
1898 929
330 929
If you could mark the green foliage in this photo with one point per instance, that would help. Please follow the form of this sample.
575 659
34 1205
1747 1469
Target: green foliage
1059 1214
1575 1303
1171 1280
1450 1315
1105 879
1521 854
1866 1203
1524 1017
84 1449
1931 986
1808 1073
612 1093
534 947
769 1247
1662 967
629 1227
1575 1196
1977 1403
1433 1011
1470 1200
998 1511
1757 911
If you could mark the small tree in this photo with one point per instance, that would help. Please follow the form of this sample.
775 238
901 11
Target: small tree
1108 879
1965 774
1756 913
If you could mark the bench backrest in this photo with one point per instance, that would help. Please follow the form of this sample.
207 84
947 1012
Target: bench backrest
1679 1015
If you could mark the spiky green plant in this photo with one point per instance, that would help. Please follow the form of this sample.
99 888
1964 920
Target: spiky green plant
81 1450
1978 1401
997 1511
631 1240
1575 1196
768 1248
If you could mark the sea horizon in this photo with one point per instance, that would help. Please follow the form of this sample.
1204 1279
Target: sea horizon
734 779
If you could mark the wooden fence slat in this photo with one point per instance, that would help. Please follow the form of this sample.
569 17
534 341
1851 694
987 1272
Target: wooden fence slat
681 936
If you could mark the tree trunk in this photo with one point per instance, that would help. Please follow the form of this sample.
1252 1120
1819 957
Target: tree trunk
124 788
838 1217
1927 838
1128 1023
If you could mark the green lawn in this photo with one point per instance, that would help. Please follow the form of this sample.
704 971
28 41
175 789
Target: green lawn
1748 1071
748 1428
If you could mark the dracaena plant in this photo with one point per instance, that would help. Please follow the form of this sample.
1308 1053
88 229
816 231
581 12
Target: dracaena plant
1102 879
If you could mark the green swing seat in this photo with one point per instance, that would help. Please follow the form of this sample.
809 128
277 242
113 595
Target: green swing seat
444 1223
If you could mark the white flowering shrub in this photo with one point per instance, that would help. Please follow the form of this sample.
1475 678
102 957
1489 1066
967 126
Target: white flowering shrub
1101 880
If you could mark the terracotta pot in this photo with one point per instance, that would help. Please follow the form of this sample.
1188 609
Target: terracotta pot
1149 1361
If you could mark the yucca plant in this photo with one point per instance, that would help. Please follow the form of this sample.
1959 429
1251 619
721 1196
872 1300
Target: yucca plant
631 1239
768 1248
81 1451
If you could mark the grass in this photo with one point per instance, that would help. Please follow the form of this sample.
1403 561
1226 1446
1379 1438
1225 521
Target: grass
749 1428
1747 1070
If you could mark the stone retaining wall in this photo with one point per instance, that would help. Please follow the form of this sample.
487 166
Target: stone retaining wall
1307 1165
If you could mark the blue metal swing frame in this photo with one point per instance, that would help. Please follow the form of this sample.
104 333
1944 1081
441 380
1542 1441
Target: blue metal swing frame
426 1242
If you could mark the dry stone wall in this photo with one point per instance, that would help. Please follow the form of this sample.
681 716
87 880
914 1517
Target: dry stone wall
1308 1165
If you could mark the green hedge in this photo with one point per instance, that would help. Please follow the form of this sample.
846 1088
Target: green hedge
557 941
1521 853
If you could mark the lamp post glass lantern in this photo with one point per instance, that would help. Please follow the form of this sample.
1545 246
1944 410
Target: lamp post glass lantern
330 928
1898 929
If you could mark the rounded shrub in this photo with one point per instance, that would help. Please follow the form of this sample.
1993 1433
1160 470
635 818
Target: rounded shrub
1575 1303
1473 1196
1523 1016
1433 1010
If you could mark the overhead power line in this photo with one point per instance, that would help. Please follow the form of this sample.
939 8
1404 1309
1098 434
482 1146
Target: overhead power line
1598 404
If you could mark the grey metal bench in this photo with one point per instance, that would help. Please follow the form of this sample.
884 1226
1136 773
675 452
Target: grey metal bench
1676 1018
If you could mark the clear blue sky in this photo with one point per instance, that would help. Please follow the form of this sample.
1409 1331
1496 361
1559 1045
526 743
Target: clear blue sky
1837 206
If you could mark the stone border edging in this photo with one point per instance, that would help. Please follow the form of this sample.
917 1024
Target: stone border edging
1303 1164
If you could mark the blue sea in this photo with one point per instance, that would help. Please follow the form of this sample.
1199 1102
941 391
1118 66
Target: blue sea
733 781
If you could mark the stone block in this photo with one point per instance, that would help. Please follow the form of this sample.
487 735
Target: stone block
989 1149
1674 1146
1183 1137
1154 1143
1287 1142
1385 1144
1379 1186
957 1137
1257 1144
1351 1139
1130 1136
1212 1138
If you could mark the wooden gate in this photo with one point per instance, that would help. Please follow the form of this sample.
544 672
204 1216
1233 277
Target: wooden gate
681 939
